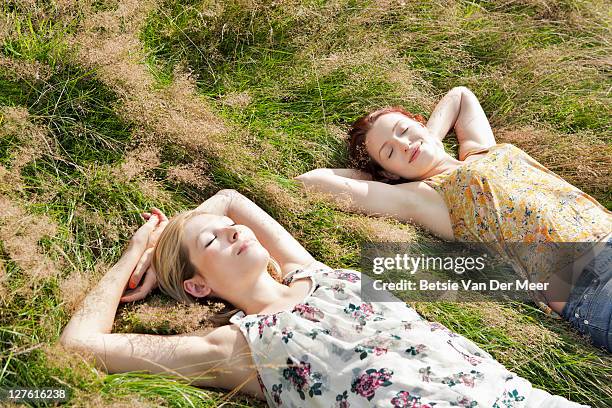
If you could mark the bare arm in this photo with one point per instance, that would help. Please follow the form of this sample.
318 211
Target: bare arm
460 109
348 173
219 358
97 312
414 202
285 249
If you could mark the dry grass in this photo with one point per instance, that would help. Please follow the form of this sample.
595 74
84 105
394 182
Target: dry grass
237 100
169 316
109 42
20 233
31 143
192 174
138 162
175 112
329 41
74 288
4 292
25 70
583 160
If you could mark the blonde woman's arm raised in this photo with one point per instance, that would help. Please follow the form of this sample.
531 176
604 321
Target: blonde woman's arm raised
461 110
413 202
217 358
285 249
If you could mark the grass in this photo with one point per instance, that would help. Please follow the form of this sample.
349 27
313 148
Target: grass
247 95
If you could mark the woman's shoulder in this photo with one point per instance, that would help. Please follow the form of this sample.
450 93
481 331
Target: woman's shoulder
312 268
488 149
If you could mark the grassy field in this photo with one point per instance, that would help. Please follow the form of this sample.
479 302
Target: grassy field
110 107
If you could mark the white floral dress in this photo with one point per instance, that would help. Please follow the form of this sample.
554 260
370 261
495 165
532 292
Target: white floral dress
333 350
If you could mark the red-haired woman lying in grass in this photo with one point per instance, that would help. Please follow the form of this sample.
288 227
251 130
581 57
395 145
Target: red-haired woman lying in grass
309 341
494 193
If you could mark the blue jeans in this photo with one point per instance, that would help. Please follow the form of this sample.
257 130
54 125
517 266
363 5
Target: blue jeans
589 307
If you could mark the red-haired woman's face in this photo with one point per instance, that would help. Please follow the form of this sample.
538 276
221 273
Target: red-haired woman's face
403 146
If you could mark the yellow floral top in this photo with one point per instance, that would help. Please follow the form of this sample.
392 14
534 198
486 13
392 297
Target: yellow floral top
508 197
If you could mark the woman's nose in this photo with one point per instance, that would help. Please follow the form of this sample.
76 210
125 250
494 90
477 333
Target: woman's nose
403 144
232 233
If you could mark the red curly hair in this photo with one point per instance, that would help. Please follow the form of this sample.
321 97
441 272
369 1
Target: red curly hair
359 157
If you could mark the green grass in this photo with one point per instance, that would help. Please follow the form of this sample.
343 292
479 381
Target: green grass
287 78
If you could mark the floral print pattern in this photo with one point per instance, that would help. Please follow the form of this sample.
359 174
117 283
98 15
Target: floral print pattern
302 378
508 197
367 383
364 350
468 379
309 312
403 399
341 400
316 354
362 313
266 321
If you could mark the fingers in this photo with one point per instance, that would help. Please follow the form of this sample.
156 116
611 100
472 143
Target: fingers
163 222
150 280
160 214
149 283
141 267
155 211
132 296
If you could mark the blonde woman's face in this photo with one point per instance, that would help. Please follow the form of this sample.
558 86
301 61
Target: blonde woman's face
227 256
402 146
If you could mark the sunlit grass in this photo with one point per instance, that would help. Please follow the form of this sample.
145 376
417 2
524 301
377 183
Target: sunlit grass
286 78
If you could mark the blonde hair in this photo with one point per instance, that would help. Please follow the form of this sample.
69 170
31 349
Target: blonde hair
173 267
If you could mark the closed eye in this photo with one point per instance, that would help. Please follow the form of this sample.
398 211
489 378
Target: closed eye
215 237
390 153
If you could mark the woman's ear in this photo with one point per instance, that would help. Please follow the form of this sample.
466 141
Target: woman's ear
197 287
389 175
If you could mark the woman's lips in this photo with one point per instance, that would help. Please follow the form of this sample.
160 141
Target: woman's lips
243 247
415 153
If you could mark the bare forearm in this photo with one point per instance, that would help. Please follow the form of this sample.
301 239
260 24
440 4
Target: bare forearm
445 114
218 203
97 312
333 187
227 203
324 172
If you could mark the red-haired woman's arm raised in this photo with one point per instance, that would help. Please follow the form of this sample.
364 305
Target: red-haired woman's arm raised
461 110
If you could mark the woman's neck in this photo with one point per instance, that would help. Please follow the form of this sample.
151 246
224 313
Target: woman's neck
445 163
263 295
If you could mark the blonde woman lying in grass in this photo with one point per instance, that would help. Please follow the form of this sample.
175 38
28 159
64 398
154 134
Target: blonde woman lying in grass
308 341
493 193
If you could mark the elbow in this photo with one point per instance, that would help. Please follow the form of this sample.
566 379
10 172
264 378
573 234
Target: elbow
463 92
72 343
306 179
66 339
88 349
227 192
301 178
309 176
461 89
